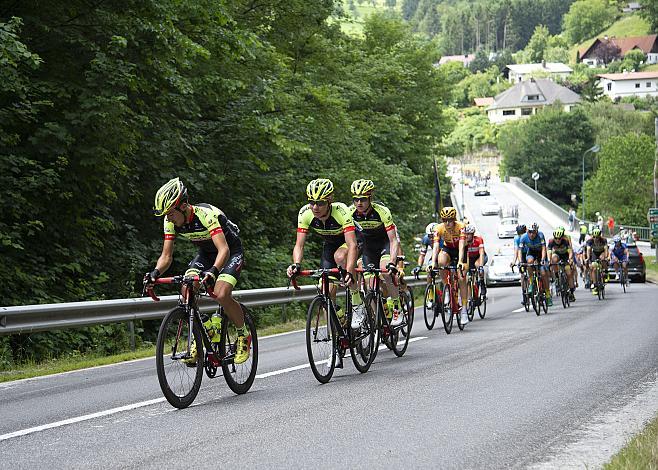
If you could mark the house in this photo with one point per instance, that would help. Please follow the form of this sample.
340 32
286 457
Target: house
618 85
519 72
528 97
594 54
632 7
465 59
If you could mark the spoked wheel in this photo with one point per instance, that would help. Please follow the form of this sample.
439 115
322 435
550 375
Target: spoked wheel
179 366
543 304
362 343
320 340
564 292
375 312
482 305
446 309
470 310
429 306
407 299
622 278
239 377
399 340
458 314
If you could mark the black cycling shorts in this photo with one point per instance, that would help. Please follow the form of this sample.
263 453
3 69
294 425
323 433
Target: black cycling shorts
229 273
374 250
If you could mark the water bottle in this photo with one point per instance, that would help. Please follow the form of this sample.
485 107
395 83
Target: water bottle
216 323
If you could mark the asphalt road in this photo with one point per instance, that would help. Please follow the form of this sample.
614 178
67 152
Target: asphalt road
511 391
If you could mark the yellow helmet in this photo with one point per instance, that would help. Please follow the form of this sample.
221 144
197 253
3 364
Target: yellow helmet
319 189
170 195
448 213
362 187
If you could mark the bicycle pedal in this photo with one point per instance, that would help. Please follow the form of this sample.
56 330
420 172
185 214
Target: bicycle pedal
228 360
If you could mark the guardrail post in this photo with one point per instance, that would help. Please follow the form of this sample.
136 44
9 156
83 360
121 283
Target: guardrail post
131 334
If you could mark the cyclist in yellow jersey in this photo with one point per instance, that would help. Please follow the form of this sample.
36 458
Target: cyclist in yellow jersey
451 233
378 235
219 260
333 222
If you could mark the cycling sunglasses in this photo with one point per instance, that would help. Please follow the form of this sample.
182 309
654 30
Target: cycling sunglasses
360 199
319 203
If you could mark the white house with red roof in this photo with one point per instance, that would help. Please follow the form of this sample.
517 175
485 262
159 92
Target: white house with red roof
618 85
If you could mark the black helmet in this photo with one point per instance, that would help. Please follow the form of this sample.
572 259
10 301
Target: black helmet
520 229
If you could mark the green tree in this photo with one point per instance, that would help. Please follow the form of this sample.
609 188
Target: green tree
551 143
650 13
536 48
586 18
622 185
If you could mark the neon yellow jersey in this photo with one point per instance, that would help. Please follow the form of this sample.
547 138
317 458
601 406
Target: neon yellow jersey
374 224
333 229
205 221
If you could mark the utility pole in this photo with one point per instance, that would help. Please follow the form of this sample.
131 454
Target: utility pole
655 178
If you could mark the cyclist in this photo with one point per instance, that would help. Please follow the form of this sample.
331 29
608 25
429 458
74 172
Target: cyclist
520 231
583 232
579 256
451 233
619 254
219 259
561 250
597 250
532 246
474 253
425 255
333 222
379 241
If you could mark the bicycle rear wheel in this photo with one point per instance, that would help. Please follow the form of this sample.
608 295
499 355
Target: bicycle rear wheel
399 340
446 309
320 340
622 279
429 306
239 377
180 370
362 343
407 298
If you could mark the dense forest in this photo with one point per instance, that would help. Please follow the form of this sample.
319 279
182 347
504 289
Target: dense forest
102 102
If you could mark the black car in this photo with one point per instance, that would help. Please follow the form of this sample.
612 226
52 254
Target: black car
637 269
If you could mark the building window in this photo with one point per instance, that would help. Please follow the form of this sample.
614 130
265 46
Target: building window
509 112
648 84
526 111
609 86
533 97
637 85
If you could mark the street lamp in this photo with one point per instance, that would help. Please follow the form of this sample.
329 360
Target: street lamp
594 149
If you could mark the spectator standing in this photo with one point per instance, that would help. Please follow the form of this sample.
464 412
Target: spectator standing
572 219
611 226
599 221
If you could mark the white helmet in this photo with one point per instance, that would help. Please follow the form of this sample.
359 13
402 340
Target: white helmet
430 228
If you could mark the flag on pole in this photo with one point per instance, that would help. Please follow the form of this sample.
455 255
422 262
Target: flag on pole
437 192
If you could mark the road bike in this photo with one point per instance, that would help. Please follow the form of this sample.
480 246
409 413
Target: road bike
598 282
449 301
395 337
562 283
327 337
525 282
477 293
185 346
431 299
538 296
621 275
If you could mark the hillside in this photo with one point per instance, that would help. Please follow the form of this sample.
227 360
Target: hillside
626 26
361 10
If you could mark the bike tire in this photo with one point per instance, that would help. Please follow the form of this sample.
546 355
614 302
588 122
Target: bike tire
446 310
482 306
543 304
320 340
429 313
564 291
179 381
534 299
399 340
623 280
239 377
407 298
470 310
373 310
362 343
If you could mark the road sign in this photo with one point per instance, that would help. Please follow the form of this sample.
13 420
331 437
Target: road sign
535 176
652 216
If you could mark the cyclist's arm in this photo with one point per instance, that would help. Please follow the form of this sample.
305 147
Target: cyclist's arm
350 265
166 257
480 260
223 251
298 250
394 246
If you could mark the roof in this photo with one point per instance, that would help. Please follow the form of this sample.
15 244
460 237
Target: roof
551 67
548 91
463 58
486 101
644 43
629 76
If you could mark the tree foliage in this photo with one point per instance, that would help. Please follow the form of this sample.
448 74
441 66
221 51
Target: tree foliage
586 18
551 143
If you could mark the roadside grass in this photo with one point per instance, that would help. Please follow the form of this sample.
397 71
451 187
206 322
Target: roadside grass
626 26
640 452
76 362
652 268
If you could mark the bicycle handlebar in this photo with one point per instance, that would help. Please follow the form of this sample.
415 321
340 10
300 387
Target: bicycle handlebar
177 280
313 272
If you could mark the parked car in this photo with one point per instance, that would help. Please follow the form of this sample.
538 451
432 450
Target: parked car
637 268
498 271
490 206
482 190
507 227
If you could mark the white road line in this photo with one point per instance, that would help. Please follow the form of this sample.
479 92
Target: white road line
518 310
78 419
141 404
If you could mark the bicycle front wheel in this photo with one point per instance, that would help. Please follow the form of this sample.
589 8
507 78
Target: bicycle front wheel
472 301
239 377
179 366
400 340
446 309
320 340
362 342
429 306
407 298
482 305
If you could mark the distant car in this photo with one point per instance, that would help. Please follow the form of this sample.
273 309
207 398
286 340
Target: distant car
482 191
507 227
490 206
498 270
637 268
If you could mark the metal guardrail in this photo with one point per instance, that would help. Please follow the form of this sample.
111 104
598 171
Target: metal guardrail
33 318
